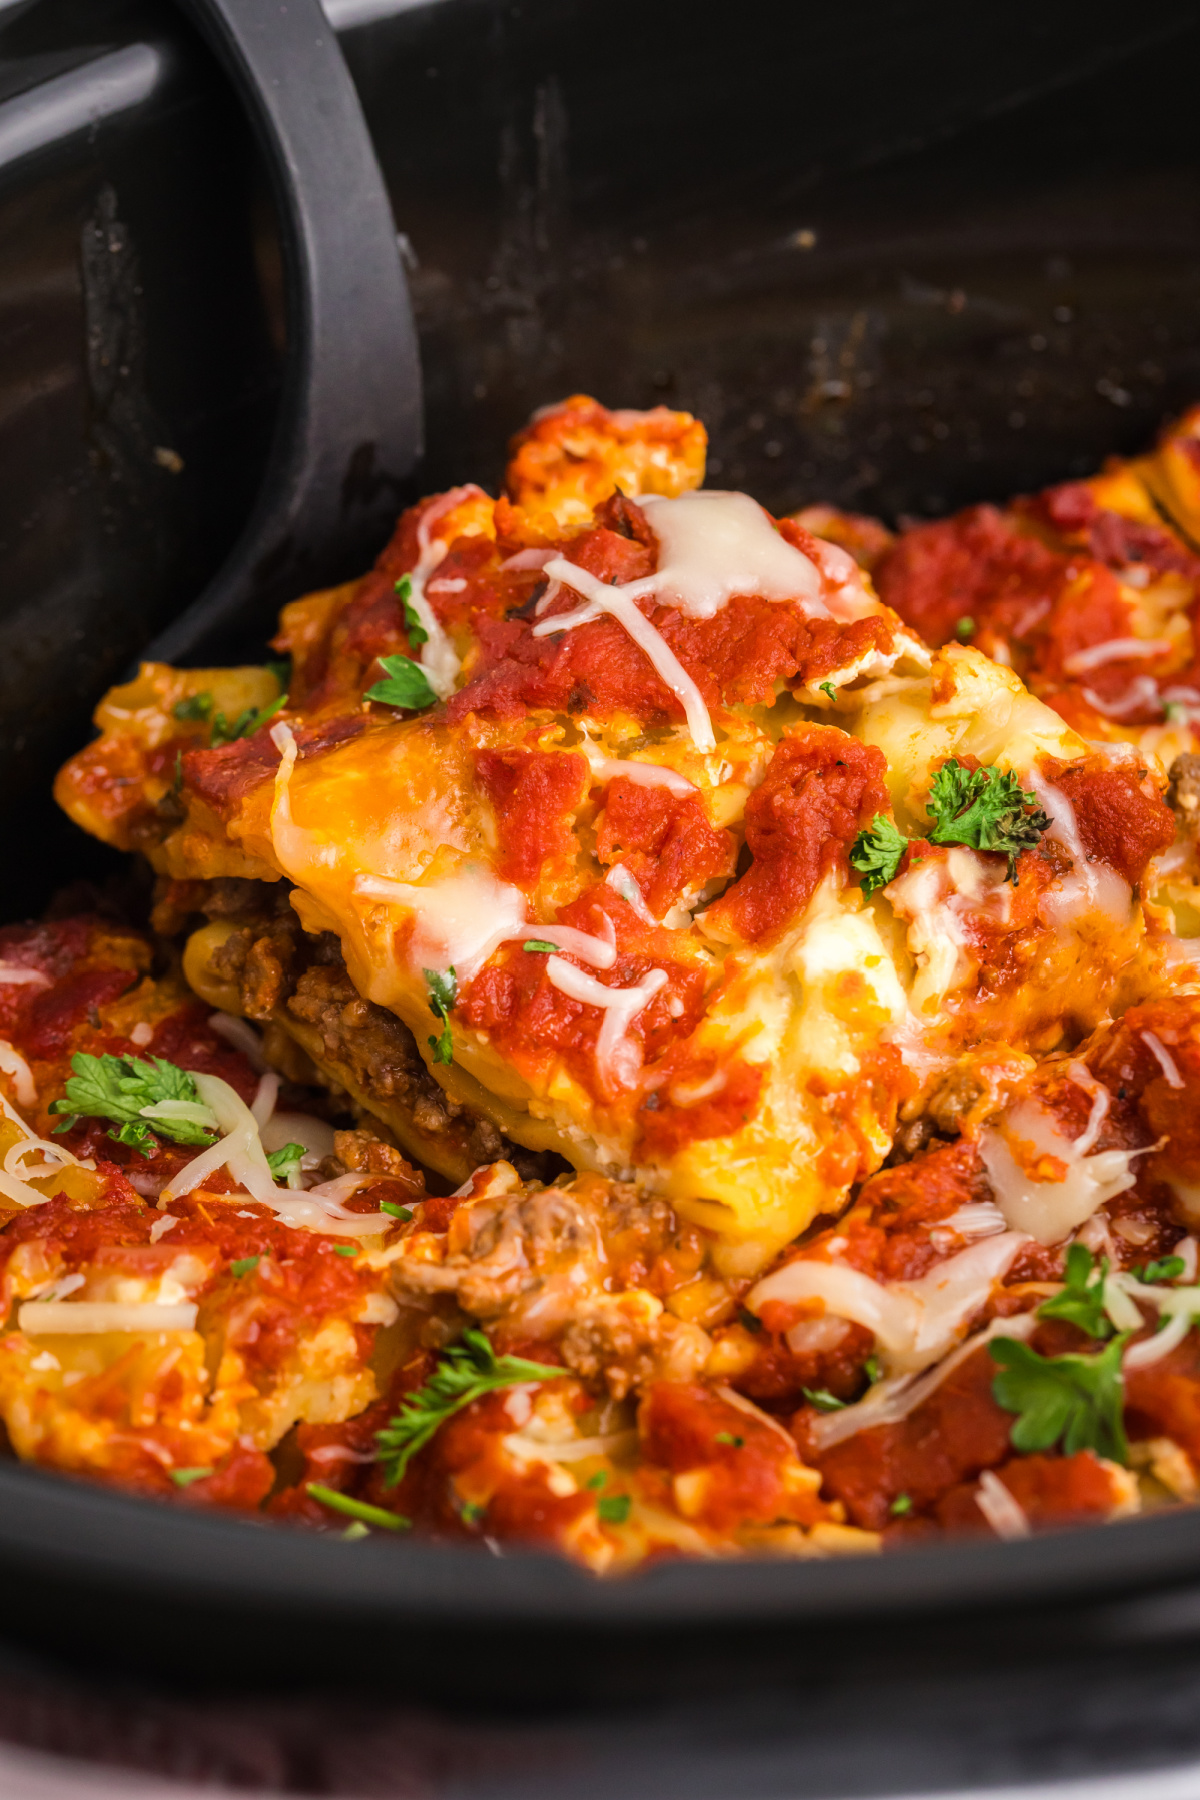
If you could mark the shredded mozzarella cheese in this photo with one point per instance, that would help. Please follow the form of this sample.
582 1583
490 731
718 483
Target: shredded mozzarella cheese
1003 1512
13 976
618 1058
45 1318
14 1064
914 1322
1164 1059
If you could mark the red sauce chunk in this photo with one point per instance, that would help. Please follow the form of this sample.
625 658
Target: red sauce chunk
664 840
534 794
821 788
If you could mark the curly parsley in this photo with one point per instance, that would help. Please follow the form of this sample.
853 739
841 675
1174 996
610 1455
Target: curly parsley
466 1372
198 709
877 853
985 809
1075 1399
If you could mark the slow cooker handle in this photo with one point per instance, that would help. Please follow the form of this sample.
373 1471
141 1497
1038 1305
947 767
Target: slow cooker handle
350 425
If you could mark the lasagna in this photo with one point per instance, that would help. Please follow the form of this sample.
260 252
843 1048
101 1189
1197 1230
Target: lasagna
662 1030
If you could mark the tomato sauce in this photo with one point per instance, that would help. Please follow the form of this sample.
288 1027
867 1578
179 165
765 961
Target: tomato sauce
534 795
664 840
820 790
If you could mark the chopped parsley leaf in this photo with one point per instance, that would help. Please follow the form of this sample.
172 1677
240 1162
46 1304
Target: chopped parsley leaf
472 1512
355 1532
417 633
986 809
1078 1399
283 1163
595 1482
443 993
357 1509
613 1508
407 685
1166 1268
466 1372
827 687
185 1477
872 1370
532 944
1081 1301
965 628
728 1437
1175 712
195 710
346 1249
245 1265
282 671
246 724
135 1095
822 1399
877 853
403 1213
901 1505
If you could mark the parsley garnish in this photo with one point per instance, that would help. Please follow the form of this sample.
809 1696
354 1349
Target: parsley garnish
822 1399
986 810
900 1505
1082 1299
1166 1268
872 1370
407 685
443 992
827 687
727 1437
1175 712
282 671
286 1161
136 1095
540 944
417 633
466 1372
1076 1398
965 627
346 1249
246 724
472 1512
877 853
613 1508
195 710
403 1213
185 1477
357 1509
596 1481
245 1265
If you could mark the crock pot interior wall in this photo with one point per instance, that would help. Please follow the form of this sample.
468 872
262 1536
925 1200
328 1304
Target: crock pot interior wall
139 366
897 255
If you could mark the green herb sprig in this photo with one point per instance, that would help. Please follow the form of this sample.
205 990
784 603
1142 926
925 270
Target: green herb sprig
407 685
877 853
1081 1301
985 809
417 633
1077 1400
443 994
136 1095
360 1510
466 1372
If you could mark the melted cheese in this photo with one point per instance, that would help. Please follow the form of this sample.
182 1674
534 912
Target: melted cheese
459 920
714 545
1050 1210
14 1064
439 659
1115 650
1005 1514
618 1058
57 1318
12 976
914 1322
619 604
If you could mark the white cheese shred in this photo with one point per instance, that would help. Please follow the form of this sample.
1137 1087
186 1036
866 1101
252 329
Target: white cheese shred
618 1058
1003 1512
